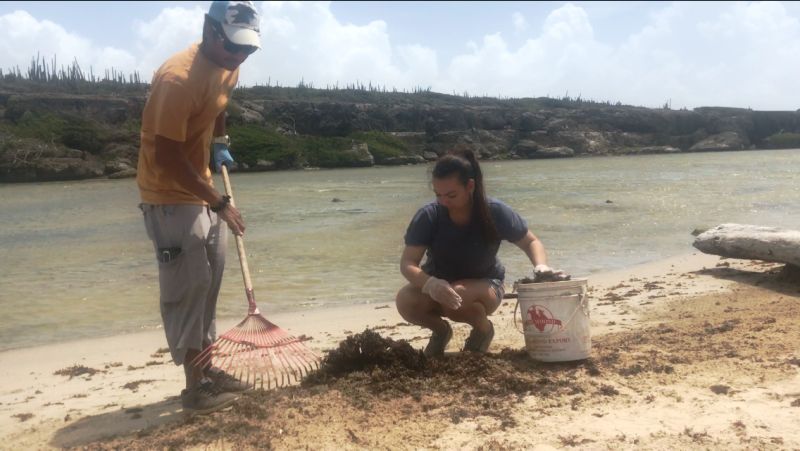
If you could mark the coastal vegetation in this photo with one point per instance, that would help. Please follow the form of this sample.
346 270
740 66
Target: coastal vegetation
64 122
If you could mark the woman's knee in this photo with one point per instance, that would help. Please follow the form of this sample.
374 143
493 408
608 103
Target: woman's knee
408 301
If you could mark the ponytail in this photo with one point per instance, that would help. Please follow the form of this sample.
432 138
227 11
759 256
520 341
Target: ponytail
461 162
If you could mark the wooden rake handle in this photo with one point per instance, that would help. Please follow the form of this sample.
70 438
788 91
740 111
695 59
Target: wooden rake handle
248 285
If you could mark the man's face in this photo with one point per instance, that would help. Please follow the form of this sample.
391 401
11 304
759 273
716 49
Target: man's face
216 50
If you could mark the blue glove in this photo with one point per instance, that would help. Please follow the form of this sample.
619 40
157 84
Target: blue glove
222 156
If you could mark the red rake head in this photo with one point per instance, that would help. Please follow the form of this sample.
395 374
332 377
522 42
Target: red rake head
257 350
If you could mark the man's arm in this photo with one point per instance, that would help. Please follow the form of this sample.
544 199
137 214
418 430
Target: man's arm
219 125
170 157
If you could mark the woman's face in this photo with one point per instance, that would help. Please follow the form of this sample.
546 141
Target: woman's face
451 194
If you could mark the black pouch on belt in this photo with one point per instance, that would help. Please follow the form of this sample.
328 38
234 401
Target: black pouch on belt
167 254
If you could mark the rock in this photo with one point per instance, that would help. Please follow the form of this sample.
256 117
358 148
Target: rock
73 153
255 106
264 165
51 169
722 141
656 150
430 156
554 152
554 126
699 231
119 165
361 152
416 141
405 159
17 173
491 119
529 122
720 389
751 242
252 117
300 163
526 149
123 174
583 142
244 166
336 199
609 202
127 152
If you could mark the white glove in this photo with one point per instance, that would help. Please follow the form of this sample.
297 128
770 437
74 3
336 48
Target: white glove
442 292
544 271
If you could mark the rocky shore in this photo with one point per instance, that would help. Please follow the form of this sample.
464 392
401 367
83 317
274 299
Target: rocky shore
57 136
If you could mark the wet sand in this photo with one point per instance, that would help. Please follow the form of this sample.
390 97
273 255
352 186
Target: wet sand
693 352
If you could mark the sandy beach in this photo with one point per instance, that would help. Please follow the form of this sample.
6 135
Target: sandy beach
693 352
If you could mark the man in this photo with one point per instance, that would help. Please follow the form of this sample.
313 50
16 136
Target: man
185 217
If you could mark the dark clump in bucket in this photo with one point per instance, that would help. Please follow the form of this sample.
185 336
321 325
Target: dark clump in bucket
543 278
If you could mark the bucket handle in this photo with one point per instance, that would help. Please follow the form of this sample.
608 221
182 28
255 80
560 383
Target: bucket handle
583 305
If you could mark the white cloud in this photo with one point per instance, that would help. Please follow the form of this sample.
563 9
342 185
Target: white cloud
732 54
22 36
520 24
175 29
305 40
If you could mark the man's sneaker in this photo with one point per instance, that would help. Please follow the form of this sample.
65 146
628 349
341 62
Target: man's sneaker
438 342
205 398
478 341
228 383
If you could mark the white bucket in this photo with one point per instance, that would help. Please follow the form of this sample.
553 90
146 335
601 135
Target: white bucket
555 319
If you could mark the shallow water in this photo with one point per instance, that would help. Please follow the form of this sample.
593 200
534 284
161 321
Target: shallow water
76 261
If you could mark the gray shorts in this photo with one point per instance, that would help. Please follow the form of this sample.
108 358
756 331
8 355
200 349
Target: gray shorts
499 289
190 243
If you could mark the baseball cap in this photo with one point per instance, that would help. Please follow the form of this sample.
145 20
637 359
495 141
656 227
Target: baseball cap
239 21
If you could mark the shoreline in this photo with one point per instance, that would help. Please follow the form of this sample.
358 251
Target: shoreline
132 176
132 375
227 323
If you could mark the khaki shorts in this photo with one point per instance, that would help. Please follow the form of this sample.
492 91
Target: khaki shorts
190 243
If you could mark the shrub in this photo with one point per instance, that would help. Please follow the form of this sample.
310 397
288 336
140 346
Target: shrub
783 141
328 152
381 145
250 143
71 131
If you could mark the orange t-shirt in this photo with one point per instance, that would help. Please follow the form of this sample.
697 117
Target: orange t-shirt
187 94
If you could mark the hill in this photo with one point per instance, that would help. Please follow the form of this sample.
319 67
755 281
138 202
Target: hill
63 129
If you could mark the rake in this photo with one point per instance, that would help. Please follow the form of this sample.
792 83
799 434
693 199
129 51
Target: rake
257 349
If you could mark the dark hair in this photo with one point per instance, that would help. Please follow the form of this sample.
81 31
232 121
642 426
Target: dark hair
461 162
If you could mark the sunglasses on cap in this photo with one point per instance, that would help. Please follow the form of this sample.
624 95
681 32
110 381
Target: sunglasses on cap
231 47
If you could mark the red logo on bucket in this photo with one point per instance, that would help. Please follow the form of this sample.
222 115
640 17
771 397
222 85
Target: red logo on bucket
541 318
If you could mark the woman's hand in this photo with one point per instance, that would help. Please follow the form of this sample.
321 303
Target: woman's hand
547 273
442 292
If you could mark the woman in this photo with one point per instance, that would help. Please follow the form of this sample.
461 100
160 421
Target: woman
462 278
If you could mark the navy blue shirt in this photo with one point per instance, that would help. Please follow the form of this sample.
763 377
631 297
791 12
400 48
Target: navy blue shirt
455 252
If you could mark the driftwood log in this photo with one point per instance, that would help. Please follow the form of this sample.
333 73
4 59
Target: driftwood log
770 244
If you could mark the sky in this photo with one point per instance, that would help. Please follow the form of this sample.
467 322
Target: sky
736 54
